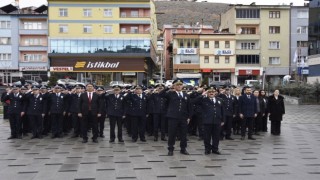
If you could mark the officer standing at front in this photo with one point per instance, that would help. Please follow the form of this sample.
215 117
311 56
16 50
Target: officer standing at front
35 107
229 102
213 118
73 110
15 111
102 118
179 113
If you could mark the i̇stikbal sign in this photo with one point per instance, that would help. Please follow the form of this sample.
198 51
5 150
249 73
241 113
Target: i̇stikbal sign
223 52
187 51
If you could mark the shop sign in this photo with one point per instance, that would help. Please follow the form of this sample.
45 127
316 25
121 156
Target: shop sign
33 68
61 69
305 71
187 51
128 74
223 52
98 64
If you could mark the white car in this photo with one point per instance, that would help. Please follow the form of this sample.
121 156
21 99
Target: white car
70 82
168 83
250 83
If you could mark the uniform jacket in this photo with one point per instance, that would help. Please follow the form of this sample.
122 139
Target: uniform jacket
57 104
115 106
35 105
229 103
16 103
74 100
276 108
212 113
247 106
139 105
159 104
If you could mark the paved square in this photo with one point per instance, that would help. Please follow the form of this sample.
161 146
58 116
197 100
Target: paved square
293 155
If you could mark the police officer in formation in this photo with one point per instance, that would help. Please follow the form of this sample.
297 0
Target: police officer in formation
216 113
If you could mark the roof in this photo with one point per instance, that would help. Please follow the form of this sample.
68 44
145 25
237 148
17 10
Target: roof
9 8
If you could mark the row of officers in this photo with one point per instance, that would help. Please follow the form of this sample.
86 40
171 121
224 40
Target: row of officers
213 114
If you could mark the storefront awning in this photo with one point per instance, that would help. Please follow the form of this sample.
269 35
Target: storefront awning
188 75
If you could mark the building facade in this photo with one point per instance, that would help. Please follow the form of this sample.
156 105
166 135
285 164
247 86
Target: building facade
23 43
262 40
100 41
314 26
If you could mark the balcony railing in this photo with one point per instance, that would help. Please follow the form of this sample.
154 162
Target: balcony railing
134 32
134 16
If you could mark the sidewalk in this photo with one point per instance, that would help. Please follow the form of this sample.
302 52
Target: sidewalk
293 155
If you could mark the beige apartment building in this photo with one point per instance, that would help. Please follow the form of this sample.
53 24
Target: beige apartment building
262 40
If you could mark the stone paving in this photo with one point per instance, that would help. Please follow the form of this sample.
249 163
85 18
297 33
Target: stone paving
293 155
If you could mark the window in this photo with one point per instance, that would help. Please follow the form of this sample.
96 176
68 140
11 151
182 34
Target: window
87 29
303 14
5 57
87 12
274 60
134 13
206 44
5 24
196 44
274 45
248 13
32 25
248 45
63 28
107 12
108 29
216 59
63 12
33 42
123 14
274 29
274 14
32 57
226 59
302 29
123 30
134 30
248 59
302 43
227 44
189 43
5 40
206 59
216 44
185 61
248 30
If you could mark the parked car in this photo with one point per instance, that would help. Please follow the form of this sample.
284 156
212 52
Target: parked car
32 82
70 82
251 83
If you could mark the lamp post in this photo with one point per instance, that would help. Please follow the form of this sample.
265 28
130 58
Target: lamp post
160 49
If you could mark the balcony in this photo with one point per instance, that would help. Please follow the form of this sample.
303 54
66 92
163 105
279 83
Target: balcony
247 51
33 48
33 31
134 32
247 36
248 21
134 13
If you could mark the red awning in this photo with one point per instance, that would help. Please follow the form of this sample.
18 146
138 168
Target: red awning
249 72
206 70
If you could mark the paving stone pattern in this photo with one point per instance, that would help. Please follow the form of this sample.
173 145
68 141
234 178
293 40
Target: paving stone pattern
293 155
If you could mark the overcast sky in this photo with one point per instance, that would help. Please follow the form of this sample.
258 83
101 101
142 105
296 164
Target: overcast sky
26 3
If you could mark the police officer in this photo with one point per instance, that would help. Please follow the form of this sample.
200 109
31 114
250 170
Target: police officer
115 109
102 118
35 107
73 110
178 114
229 102
213 118
57 110
15 111
196 120
139 113
159 107
46 120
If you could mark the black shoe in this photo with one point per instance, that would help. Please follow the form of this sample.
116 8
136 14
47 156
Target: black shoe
200 139
221 138
185 152
111 140
229 138
134 140
257 134
75 136
163 139
251 138
121 140
33 137
207 152
170 153
143 140
242 138
84 140
11 137
155 139
95 140
19 137
102 136
25 134
216 152
60 136
53 136
40 136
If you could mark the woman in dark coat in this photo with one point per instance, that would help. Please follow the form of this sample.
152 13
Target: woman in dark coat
276 112
265 99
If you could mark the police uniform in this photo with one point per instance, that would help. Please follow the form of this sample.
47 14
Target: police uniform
46 119
73 110
213 116
196 121
102 118
35 107
14 110
178 113
115 110
229 102
138 114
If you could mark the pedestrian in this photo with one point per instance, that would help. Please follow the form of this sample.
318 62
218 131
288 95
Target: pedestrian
236 119
73 111
116 112
15 111
248 111
260 112
89 109
213 118
46 120
264 119
276 112
179 114
102 118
